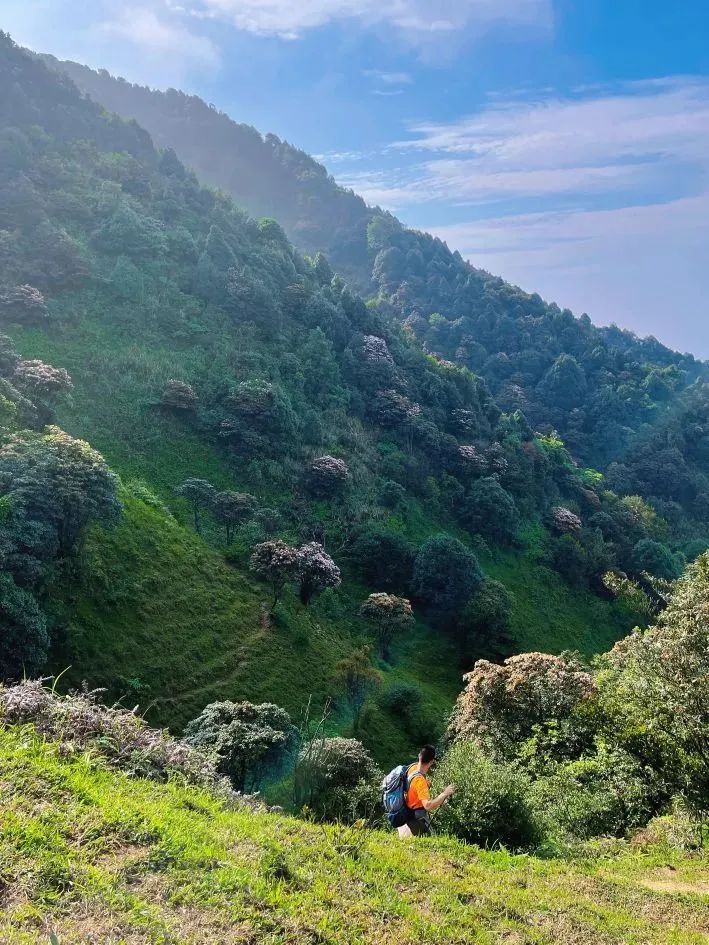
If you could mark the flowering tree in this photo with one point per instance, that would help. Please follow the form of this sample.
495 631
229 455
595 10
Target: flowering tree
501 704
388 615
564 521
276 563
178 395
23 303
327 475
316 571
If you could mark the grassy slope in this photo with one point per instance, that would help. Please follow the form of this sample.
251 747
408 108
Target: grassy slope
162 609
94 856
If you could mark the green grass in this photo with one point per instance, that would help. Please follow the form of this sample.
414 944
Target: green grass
90 855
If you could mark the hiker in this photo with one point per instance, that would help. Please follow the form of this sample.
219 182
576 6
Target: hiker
406 795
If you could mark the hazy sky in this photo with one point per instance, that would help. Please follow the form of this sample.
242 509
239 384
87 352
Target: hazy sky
561 144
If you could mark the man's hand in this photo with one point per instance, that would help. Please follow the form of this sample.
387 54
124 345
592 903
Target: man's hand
450 791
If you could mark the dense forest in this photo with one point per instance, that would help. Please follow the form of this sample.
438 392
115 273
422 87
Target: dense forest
621 404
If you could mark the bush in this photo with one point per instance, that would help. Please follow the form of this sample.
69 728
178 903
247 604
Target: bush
119 736
486 620
402 699
604 795
491 806
337 779
657 559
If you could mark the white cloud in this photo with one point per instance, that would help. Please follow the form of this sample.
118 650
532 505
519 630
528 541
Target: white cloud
619 180
414 19
149 32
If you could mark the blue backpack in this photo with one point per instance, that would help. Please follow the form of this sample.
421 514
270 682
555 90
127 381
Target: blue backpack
394 788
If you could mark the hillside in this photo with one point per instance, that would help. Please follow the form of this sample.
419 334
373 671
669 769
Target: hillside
202 347
605 391
92 854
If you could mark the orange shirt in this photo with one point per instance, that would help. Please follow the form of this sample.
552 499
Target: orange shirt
418 788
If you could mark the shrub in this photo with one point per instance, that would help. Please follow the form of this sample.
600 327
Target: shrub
24 641
491 806
486 619
402 699
119 736
607 794
356 678
337 779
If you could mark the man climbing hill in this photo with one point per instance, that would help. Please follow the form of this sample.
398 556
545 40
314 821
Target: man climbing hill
407 797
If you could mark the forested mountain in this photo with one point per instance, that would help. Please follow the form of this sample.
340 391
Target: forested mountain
611 396
295 470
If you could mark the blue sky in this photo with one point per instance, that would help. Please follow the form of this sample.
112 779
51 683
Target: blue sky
561 144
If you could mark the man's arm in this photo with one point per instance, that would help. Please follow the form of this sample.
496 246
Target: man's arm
433 803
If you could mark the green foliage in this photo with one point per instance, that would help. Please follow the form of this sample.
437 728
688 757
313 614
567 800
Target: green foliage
485 622
491 806
654 689
24 640
446 575
607 794
246 739
491 511
337 779
657 559
389 616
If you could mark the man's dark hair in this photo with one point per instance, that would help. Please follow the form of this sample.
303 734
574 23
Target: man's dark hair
427 754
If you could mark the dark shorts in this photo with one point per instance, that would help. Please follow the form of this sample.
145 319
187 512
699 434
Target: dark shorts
418 822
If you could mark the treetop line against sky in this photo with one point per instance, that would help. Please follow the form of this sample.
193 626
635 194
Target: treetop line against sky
564 146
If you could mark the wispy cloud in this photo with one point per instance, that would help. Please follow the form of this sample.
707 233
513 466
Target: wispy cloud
618 179
389 78
419 21
146 29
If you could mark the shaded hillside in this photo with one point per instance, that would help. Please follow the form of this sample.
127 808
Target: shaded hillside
603 389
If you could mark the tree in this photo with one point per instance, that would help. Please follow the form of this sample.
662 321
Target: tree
657 559
564 384
383 558
564 521
356 678
52 478
388 615
446 575
23 303
654 688
486 619
179 396
491 511
276 563
232 509
327 475
201 494
247 739
24 640
316 571
501 704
